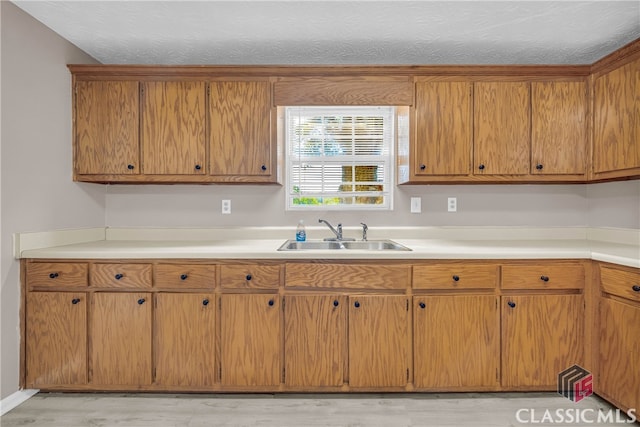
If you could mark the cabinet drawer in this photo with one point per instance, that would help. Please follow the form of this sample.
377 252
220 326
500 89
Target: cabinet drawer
184 276
543 276
355 276
623 283
455 276
250 276
54 274
120 275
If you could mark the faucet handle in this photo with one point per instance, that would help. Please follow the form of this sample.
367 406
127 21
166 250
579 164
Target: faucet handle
364 231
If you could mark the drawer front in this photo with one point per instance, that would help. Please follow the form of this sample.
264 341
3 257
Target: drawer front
455 276
543 276
53 274
354 276
120 275
250 276
190 276
622 283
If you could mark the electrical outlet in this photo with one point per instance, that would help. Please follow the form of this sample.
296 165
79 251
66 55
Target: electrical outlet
452 204
416 205
226 207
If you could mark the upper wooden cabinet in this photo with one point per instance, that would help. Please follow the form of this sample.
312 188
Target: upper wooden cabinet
502 123
106 128
616 146
241 142
173 128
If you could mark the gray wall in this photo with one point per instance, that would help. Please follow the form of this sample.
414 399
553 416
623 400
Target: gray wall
614 204
36 190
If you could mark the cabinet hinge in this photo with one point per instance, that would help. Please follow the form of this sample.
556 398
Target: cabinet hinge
407 305
497 375
282 303
407 374
154 374
208 90
220 373
220 303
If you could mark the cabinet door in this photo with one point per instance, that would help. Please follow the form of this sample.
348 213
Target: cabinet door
616 124
559 128
56 338
443 128
185 339
121 338
619 375
456 341
378 341
315 340
542 336
241 128
106 126
251 340
502 114
174 128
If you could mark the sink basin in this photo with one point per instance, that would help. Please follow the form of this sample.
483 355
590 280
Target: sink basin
369 245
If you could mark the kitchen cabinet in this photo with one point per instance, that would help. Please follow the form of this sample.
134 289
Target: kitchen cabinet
378 341
106 128
456 342
56 339
559 128
502 126
444 129
120 337
542 335
185 339
242 146
315 340
251 343
616 151
173 128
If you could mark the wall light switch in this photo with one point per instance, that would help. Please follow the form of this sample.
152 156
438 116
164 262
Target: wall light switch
416 205
452 204
226 207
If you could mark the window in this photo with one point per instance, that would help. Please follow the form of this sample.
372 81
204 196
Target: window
339 157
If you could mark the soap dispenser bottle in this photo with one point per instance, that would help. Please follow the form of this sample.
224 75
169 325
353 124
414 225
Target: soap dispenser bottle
301 232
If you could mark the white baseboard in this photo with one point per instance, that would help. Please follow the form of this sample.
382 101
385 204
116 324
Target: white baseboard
15 399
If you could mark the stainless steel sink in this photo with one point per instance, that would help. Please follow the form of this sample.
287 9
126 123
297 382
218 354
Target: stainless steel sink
368 245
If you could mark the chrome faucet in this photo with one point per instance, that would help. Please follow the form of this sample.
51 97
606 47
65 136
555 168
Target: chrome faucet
364 231
337 232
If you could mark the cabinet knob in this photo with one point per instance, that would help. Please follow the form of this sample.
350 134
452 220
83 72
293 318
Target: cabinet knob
335 303
511 304
130 167
119 276
205 302
263 167
481 167
356 304
198 167
249 277
422 305
456 278
539 166
423 167
636 288
53 275
75 301
271 302
183 276
544 278
141 301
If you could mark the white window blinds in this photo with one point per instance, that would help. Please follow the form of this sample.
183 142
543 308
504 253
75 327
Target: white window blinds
339 157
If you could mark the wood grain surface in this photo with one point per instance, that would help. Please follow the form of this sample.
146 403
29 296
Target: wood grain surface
620 282
120 275
250 276
356 276
184 276
557 275
455 276
54 274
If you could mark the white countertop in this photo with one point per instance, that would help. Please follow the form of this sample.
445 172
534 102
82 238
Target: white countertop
609 245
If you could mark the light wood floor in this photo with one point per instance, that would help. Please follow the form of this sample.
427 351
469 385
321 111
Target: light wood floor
299 410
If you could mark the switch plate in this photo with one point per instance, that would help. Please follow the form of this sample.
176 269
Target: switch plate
416 205
452 204
226 207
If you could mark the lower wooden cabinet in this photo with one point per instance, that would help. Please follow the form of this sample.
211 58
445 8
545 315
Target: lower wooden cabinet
456 342
56 339
542 335
120 337
251 328
185 339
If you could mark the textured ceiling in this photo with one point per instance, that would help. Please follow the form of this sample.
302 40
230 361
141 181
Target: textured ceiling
342 32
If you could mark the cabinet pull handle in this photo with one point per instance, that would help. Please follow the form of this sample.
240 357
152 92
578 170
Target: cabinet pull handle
263 167
141 301
481 166
544 278
198 167
422 305
183 277
539 166
456 278
249 277
53 275
636 288
423 167
271 302
335 303
130 167
205 302
356 304
511 304
75 301
119 276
